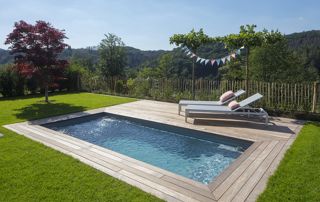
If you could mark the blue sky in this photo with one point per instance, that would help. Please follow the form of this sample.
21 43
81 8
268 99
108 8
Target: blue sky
148 24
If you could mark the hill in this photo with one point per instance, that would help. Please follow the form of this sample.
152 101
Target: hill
306 44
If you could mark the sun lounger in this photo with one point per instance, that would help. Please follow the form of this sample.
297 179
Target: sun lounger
195 102
243 109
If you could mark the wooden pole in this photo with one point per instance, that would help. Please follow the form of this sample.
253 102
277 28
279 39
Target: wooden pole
314 100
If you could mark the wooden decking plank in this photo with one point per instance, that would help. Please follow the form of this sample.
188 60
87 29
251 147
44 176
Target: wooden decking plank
263 181
244 192
223 187
61 136
213 185
237 185
205 192
159 187
78 152
127 160
32 130
194 193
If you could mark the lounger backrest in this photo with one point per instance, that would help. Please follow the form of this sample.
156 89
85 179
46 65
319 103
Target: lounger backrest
250 100
236 94
239 92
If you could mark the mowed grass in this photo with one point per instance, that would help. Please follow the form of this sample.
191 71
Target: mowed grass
30 171
298 175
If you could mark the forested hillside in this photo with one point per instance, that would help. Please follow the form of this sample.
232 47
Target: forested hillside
302 52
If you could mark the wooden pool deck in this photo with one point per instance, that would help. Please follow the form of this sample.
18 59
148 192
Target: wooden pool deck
243 180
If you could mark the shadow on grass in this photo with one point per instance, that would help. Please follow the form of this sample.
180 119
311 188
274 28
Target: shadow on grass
38 95
41 110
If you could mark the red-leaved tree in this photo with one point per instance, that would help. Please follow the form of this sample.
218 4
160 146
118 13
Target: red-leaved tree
36 50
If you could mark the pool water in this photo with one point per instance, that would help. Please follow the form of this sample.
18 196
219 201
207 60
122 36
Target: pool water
185 152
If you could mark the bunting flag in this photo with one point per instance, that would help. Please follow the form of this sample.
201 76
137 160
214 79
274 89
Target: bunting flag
212 61
218 61
223 60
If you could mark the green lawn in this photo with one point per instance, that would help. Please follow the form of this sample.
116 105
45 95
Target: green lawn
298 176
30 171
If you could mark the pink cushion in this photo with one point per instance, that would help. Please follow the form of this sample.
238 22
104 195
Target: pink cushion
226 96
233 105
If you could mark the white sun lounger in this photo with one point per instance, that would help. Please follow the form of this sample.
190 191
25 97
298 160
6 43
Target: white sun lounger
243 109
195 102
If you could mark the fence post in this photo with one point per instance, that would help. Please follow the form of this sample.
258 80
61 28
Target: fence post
314 100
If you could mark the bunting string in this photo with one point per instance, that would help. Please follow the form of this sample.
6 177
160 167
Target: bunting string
212 61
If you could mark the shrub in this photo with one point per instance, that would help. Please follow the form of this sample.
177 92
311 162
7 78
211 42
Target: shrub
11 82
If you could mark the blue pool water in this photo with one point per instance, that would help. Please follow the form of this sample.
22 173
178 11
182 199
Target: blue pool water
185 152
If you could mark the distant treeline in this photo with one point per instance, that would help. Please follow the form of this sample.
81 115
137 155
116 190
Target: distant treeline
304 46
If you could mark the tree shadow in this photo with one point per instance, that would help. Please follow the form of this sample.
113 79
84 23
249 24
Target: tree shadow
41 110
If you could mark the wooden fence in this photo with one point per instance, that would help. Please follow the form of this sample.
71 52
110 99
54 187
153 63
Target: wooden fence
290 97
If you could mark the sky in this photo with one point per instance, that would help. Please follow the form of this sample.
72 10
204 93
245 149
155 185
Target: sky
148 24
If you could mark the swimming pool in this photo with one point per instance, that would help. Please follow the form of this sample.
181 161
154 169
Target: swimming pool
193 154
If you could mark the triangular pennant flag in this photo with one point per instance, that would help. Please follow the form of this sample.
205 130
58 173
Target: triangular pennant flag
193 55
218 61
198 59
212 62
223 60
238 52
207 60
233 55
189 53
187 50
202 60
183 48
228 58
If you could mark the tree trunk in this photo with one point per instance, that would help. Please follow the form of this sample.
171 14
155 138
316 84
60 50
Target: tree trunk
46 93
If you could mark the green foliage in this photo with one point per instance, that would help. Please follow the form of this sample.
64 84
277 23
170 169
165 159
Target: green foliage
120 87
193 40
165 68
73 74
11 82
233 71
297 177
275 62
249 38
112 57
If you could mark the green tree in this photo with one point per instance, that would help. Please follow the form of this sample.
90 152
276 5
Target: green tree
249 38
275 62
165 67
112 56
193 40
